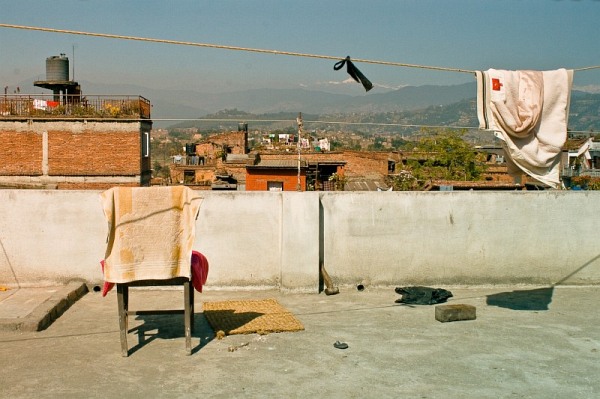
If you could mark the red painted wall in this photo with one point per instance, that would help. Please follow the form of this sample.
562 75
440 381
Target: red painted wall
257 179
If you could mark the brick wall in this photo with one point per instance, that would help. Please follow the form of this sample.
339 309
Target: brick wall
93 153
73 154
358 163
233 142
236 142
20 153
366 163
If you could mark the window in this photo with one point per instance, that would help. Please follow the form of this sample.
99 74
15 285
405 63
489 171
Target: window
275 186
145 144
189 177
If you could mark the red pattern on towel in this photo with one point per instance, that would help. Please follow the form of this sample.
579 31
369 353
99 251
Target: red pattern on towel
199 273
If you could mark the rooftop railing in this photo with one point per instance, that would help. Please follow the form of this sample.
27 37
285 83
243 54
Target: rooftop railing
570 172
74 106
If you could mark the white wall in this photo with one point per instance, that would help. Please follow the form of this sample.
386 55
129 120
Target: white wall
264 240
463 237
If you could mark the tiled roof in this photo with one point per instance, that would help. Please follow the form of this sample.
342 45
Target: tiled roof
574 144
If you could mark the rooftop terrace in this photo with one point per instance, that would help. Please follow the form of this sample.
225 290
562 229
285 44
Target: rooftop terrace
43 106
528 261
526 342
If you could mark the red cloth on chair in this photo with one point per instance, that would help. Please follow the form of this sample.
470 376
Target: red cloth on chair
107 286
199 273
199 270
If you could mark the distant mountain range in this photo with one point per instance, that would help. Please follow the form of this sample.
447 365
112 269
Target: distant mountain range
176 104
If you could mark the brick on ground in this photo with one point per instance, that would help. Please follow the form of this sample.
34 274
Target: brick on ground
454 312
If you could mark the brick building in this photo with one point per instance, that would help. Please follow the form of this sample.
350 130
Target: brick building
277 175
206 164
91 143
355 169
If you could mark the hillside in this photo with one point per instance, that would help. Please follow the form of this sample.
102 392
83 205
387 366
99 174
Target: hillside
584 116
182 104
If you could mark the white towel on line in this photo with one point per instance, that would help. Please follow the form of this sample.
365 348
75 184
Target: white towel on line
529 111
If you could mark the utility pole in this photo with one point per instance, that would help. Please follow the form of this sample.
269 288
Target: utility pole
300 125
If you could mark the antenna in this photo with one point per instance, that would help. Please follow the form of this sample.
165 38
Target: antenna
73 73
300 125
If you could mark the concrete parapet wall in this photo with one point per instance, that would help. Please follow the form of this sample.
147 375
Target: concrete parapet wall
463 237
266 240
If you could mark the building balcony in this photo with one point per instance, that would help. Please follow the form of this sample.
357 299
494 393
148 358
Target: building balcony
570 172
42 106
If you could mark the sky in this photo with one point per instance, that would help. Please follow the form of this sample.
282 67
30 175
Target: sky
463 34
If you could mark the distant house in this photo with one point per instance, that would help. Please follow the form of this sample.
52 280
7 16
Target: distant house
74 142
217 163
276 175
66 140
281 168
580 157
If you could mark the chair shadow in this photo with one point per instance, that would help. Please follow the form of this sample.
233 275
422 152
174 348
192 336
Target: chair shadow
535 299
170 326
227 320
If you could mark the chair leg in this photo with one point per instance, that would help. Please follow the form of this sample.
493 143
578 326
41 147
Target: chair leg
192 293
187 314
123 305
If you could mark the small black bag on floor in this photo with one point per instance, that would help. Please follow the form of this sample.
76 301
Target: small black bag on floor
422 295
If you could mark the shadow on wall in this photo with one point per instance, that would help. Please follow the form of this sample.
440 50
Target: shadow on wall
535 299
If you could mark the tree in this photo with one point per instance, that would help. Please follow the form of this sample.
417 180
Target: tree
161 170
399 143
452 158
447 157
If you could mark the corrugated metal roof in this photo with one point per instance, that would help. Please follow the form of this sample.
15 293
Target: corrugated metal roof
476 185
237 157
365 185
280 163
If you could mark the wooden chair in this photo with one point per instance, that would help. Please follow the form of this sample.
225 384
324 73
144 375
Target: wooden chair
187 311
150 231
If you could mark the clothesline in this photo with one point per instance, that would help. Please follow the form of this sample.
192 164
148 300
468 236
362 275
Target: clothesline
254 50
315 122
293 121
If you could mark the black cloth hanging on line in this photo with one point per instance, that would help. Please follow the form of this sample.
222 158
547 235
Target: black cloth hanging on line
354 72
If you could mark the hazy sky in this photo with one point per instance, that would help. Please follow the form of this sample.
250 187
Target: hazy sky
473 35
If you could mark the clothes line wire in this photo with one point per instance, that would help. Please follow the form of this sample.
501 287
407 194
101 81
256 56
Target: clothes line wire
293 121
225 47
248 49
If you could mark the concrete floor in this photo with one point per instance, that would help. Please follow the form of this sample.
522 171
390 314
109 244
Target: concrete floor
527 342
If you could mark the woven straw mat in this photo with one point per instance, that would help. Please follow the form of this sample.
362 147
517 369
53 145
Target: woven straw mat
250 316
